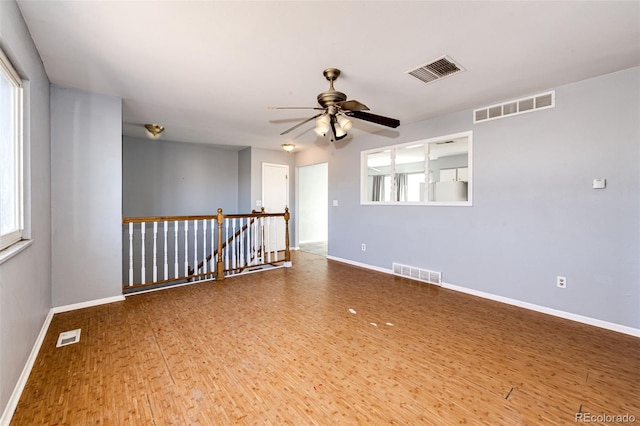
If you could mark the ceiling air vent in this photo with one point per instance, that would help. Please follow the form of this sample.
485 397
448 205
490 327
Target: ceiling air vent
436 70
515 107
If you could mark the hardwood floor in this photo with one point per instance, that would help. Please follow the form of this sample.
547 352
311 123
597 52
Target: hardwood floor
282 347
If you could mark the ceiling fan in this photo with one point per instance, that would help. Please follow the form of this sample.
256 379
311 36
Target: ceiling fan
335 109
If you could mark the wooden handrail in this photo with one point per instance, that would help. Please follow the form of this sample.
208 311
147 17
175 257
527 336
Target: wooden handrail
166 218
261 213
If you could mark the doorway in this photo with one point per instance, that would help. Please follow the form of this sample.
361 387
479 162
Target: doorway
312 199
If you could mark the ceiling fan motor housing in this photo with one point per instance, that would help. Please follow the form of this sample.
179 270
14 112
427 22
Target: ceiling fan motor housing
331 97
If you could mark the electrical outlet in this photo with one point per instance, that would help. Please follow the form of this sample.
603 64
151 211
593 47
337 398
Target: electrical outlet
561 282
364 247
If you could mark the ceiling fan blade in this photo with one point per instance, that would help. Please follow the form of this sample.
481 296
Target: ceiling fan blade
300 124
378 119
353 105
296 108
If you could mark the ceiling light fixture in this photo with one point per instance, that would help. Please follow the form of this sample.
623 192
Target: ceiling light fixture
154 130
288 147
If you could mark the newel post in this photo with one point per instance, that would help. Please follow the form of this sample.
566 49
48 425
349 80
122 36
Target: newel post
220 263
287 253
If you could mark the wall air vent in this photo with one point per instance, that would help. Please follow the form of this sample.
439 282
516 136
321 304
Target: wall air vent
518 106
424 275
436 70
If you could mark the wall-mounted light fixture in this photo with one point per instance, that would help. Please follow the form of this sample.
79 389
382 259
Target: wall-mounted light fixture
154 130
288 147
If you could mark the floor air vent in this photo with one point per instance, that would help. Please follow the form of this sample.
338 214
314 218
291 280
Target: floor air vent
424 275
68 338
518 106
436 70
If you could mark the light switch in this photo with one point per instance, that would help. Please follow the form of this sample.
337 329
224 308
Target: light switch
599 183
335 203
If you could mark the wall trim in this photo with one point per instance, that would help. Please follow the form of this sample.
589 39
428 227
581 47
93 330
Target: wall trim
549 311
514 302
12 404
88 304
362 265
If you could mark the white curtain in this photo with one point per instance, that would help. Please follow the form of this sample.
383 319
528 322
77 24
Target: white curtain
402 184
377 193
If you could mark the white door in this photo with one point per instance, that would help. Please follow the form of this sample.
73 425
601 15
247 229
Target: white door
275 197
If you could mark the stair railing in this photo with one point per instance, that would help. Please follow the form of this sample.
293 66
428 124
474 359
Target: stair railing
161 250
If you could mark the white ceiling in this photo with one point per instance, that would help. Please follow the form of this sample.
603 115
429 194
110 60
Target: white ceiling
208 70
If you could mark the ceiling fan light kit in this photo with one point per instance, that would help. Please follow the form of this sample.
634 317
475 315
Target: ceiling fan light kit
336 110
344 122
323 125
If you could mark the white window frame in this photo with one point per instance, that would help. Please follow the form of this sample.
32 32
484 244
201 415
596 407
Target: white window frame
16 235
364 171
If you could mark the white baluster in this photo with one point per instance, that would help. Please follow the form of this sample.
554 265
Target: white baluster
265 238
242 237
130 253
275 239
213 258
176 267
256 241
269 240
186 248
248 248
233 244
195 246
166 259
143 277
204 246
262 241
254 246
155 251
226 238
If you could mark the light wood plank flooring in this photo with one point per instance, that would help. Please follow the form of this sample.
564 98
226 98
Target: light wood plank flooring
282 347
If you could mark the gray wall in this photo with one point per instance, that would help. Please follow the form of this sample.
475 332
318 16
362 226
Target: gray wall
535 215
86 188
25 280
244 181
164 178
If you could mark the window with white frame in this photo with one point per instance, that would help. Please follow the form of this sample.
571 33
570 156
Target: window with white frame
434 171
11 191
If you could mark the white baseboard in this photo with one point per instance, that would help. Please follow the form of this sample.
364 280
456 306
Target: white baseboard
10 408
361 265
88 304
546 310
24 376
543 309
